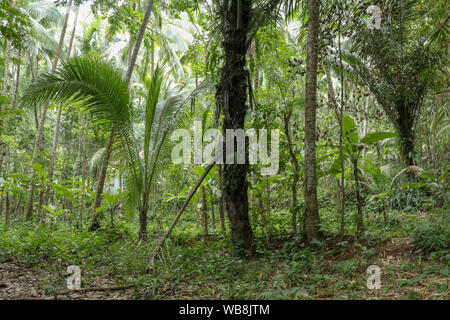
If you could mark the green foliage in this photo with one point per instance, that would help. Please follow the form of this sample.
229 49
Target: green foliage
433 236
14 25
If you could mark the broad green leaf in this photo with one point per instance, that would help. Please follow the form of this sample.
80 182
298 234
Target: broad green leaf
374 137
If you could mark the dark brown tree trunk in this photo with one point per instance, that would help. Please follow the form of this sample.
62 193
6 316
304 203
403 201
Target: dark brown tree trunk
295 178
232 97
311 217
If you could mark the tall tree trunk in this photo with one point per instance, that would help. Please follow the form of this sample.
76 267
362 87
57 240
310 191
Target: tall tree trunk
36 119
7 208
295 178
83 187
51 168
213 214
341 139
130 42
139 39
232 97
40 131
101 181
72 36
406 137
6 73
16 89
311 217
221 208
339 115
61 38
204 212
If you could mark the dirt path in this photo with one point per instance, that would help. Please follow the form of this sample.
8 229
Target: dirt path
18 282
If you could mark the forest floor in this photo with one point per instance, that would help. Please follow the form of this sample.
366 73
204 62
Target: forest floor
19 282
402 280
33 265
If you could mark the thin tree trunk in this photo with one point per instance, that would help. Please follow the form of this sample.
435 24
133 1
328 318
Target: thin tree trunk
61 38
269 206
6 73
360 223
7 208
339 115
40 131
98 198
139 39
16 89
311 217
83 187
180 212
204 212
69 51
51 168
36 119
295 178
4 93
341 140
130 42
213 214
221 208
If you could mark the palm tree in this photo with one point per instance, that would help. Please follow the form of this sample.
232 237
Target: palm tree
131 64
397 67
108 100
